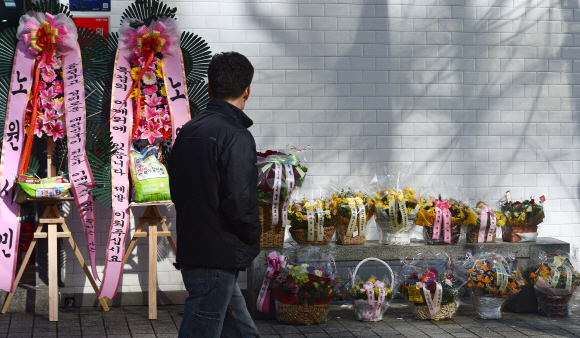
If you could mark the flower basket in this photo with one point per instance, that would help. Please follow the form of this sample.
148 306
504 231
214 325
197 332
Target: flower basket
316 219
396 228
303 285
492 280
371 298
487 307
555 280
446 311
454 214
354 212
522 218
272 236
552 305
301 236
493 219
431 286
301 314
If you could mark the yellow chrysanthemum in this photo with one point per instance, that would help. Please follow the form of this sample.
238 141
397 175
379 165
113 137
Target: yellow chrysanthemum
163 91
135 73
159 73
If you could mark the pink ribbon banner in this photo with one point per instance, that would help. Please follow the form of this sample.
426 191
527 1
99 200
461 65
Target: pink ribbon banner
80 174
174 77
122 119
375 306
443 218
483 214
275 262
12 145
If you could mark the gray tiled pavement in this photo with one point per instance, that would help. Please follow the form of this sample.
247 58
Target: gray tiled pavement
399 322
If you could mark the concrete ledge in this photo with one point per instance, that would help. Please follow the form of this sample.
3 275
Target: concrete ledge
27 299
348 256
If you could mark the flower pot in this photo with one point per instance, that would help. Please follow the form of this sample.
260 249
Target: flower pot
446 311
553 306
301 314
488 307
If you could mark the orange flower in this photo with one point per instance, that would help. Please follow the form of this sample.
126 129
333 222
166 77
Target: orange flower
479 277
480 285
545 277
487 281
484 268
552 272
469 284
519 273
470 270
533 275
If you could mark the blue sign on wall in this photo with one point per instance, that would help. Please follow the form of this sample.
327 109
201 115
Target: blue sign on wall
90 5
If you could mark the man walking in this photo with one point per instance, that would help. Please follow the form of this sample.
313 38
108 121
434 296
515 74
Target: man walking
213 178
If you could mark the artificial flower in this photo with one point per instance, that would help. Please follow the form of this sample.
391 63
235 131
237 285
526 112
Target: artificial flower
57 87
149 78
48 74
163 91
135 73
151 131
150 90
153 100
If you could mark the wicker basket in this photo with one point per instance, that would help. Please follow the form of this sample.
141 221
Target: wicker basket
553 306
272 236
301 314
342 227
428 235
446 311
472 234
488 307
301 236
361 306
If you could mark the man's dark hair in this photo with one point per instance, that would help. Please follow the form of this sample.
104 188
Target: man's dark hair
229 75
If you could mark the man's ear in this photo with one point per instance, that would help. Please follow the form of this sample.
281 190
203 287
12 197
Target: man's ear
209 91
246 94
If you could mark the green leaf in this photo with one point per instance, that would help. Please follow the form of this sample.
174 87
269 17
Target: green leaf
196 56
147 11
4 86
94 54
53 7
33 166
198 97
8 42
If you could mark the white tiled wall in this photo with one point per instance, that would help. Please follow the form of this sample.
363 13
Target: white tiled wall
482 93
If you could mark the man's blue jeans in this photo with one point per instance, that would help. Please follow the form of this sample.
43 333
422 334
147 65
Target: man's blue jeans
215 306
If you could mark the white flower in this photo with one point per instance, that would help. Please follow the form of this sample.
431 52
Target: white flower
318 273
149 78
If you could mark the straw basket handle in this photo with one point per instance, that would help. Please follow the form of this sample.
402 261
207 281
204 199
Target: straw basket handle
481 202
378 260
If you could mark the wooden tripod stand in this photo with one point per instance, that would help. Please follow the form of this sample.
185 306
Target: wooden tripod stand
152 217
52 218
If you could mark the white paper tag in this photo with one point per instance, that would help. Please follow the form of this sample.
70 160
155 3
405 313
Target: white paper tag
310 215
354 234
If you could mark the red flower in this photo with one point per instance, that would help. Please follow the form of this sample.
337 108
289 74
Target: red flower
312 278
542 198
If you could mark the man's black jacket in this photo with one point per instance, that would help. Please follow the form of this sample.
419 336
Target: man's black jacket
213 178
